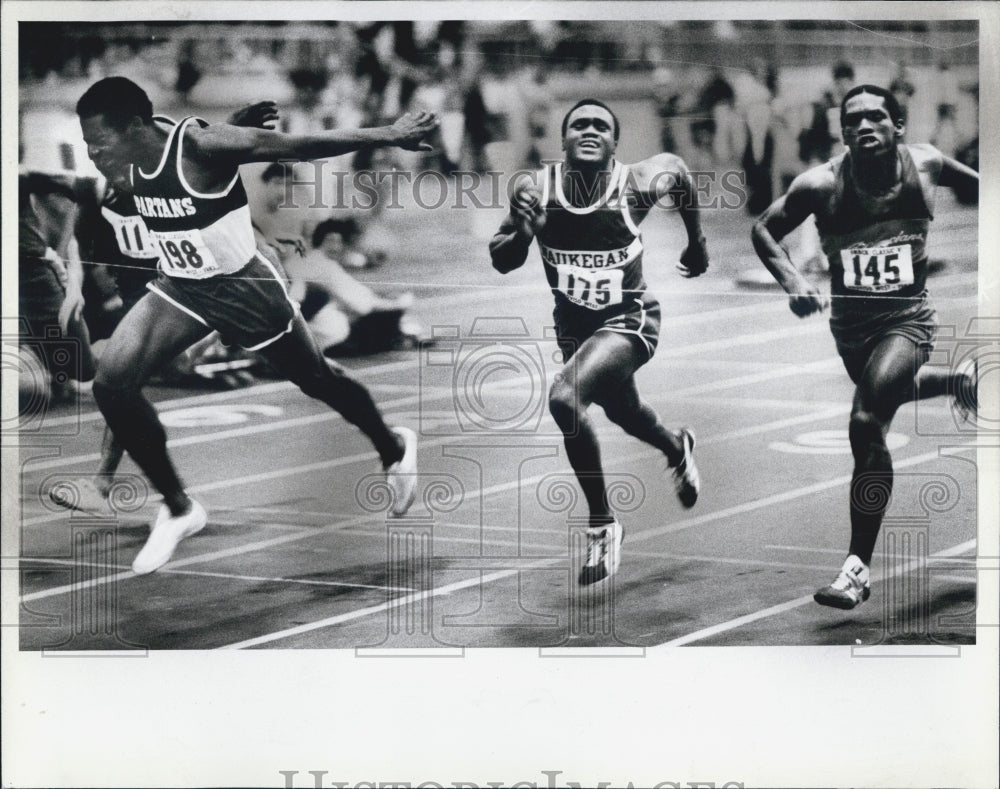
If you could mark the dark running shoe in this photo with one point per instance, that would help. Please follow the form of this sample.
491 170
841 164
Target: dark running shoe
687 482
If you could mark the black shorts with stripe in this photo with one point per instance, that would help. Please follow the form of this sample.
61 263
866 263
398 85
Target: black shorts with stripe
250 308
858 335
575 325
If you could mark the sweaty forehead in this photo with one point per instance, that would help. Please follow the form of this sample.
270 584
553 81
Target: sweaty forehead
865 102
590 112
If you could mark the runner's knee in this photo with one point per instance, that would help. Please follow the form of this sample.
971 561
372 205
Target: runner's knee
866 435
114 381
325 380
564 405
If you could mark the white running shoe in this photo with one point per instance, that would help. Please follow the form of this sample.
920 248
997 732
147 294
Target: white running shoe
687 481
401 476
604 553
83 495
165 535
851 588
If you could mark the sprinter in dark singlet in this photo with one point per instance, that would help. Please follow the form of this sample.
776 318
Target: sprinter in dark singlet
186 185
135 268
873 206
585 214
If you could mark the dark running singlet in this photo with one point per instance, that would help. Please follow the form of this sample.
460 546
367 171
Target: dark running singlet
196 235
592 255
877 261
139 254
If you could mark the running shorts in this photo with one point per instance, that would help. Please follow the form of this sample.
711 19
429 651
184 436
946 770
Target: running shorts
858 335
250 307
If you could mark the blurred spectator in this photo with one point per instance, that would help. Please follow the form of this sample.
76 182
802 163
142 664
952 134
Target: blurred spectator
717 100
54 347
537 101
902 89
754 94
308 113
821 138
667 101
346 316
479 124
945 134
188 72
968 154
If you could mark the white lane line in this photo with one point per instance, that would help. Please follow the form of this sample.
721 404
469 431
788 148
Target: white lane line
804 549
731 560
407 600
231 576
695 349
756 616
378 517
643 536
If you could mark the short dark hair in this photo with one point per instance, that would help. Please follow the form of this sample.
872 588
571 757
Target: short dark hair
891 103
843 70
118 99
276 170
587 103
347 228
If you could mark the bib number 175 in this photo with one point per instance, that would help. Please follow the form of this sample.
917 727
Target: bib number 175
591 289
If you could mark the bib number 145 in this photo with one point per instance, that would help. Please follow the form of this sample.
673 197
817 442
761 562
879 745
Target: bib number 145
877 268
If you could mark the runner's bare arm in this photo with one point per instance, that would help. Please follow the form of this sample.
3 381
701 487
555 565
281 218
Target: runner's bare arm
957 176
509 246
671 178
778 220
238 145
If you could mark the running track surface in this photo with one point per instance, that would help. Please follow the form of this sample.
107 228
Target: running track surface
297 553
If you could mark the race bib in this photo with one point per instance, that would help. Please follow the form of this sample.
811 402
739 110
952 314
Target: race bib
877 269
132 236
594 289
183 253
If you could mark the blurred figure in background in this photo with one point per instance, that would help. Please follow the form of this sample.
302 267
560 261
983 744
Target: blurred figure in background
754 94
54 345
309 111
821 139
346 316
717 101
945 134
537 102
902 89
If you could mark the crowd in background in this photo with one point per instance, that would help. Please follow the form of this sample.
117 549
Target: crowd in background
755 116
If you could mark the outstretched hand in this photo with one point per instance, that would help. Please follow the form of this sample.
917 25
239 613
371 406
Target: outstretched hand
694 260
410 130
256 116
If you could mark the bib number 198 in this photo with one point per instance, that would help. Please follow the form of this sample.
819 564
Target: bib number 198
181 256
